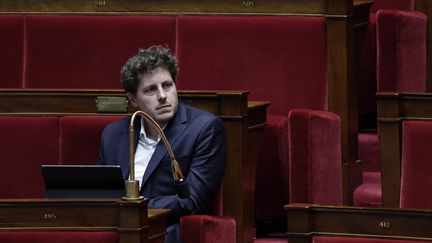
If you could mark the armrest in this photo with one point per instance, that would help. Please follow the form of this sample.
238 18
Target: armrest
206 228
315 157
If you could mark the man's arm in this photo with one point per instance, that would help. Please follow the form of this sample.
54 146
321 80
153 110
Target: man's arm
205 174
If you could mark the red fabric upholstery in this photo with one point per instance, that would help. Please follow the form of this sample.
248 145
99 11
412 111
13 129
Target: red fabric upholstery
315 157
88 51
204 228
269 56
368 194
369 152
401 51
272 171
416 179
329 239
80 138
58 237
25 144
12 51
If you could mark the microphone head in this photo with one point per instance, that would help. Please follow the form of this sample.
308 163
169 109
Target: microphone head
182 188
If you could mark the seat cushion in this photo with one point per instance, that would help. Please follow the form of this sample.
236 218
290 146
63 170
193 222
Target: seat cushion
369 152
368 194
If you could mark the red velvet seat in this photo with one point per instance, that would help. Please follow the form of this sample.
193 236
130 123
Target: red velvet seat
25 144
89 53
401 66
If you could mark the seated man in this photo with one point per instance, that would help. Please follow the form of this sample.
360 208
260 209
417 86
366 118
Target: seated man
197 138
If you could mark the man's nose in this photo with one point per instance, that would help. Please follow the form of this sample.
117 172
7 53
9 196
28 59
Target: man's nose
161 93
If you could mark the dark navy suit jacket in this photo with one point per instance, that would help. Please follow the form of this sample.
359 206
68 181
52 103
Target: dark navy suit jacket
198 140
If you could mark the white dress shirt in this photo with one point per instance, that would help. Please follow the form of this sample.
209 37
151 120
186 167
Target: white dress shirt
144 151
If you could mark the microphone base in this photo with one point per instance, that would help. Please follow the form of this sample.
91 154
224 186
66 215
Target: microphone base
132 191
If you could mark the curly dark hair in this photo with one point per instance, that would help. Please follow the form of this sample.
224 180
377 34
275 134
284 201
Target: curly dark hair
145 61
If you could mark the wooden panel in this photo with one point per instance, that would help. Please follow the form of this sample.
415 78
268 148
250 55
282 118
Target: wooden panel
167 7
130 219
358 222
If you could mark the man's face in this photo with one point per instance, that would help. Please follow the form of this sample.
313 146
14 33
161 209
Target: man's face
156 95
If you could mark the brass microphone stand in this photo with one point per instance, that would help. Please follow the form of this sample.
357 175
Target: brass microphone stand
132 185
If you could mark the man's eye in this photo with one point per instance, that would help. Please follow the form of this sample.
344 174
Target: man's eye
167 85
150 90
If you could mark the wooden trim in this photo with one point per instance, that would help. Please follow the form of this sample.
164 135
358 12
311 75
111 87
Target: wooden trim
388 223
177 7
132 220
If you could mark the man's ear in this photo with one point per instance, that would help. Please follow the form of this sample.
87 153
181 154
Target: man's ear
132 99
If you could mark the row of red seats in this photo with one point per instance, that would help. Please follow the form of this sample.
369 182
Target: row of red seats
268 55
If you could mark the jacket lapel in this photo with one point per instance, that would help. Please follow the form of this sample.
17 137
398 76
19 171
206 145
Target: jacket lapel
173 132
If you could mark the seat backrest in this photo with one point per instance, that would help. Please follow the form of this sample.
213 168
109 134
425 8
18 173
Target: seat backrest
269 56
80 138
416 179
25 144
12 51
401 51
88 51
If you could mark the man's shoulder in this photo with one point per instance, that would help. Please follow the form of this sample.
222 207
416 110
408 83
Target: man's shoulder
197 115
118 126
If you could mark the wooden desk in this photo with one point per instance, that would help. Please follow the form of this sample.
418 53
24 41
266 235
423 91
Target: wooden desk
131 220
244 122
306 221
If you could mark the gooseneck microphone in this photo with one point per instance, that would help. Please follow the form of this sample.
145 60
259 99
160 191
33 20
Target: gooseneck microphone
132 185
